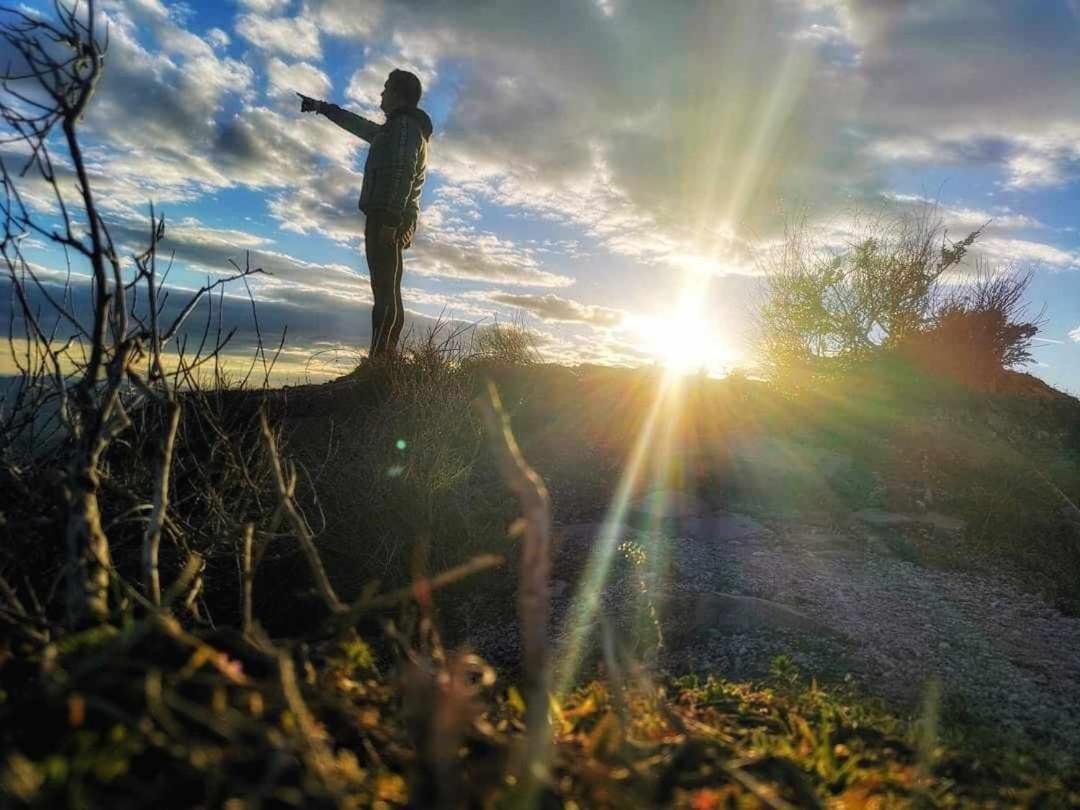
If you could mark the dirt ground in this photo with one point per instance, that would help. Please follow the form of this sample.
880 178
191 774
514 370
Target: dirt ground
730 593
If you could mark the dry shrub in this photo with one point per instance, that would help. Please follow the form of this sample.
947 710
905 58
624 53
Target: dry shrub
503 344
827 307
978 330
127 467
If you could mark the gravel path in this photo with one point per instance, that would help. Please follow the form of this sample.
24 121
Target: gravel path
839 602
1002 656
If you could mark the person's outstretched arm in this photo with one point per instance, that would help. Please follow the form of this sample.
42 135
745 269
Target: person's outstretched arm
356 124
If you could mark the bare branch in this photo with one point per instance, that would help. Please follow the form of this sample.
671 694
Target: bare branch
152 536
534 605
286 486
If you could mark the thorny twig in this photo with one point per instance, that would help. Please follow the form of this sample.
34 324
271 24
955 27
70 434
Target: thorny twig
534 606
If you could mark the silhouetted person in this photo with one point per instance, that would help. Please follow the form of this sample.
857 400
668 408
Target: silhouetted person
394 174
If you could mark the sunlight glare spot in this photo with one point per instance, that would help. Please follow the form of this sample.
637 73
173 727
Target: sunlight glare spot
681 343
684 341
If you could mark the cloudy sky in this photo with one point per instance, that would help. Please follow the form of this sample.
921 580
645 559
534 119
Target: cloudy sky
601 169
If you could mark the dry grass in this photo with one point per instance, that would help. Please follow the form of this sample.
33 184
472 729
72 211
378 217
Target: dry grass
150 714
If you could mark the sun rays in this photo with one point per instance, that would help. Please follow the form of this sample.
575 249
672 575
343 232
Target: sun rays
686 339
683 340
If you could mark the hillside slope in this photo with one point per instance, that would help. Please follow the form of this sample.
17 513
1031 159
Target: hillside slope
739 577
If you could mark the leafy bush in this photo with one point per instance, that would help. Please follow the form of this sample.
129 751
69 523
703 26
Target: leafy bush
826 307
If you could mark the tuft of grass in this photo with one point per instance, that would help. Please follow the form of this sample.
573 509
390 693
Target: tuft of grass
155 715
399 458
503 344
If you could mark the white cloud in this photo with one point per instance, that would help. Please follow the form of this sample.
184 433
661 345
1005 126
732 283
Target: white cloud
952 82
345 18
1048 159
266 148
1022 251
152 124
366 84
326 204
1075 334
909 148
957 218
478 257
1029 170
552 307
286 79
161 121
218 38
266 6
446 245
297 37
151 8
560 118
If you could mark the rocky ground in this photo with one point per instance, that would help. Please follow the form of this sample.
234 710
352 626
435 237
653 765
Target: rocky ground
727 593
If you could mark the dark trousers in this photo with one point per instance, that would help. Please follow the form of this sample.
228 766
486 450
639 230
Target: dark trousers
384 269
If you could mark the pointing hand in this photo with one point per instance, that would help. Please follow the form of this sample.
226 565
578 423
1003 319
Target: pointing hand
308 104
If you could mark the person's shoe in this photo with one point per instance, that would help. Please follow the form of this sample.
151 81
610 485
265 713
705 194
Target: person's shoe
362 371
370 364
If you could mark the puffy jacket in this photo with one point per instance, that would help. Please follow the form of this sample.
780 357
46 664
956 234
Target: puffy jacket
396 164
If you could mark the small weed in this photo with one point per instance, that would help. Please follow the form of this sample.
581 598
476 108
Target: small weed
784 671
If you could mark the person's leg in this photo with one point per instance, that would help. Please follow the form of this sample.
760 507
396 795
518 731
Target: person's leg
399 308
406 232
381 272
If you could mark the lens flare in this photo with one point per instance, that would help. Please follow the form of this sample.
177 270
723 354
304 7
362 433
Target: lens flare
685 340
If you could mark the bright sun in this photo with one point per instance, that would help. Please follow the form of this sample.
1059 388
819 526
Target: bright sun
683 341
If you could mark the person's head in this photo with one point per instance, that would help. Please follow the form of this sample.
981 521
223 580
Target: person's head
402 89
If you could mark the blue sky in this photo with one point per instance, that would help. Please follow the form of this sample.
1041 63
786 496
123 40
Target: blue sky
603 169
